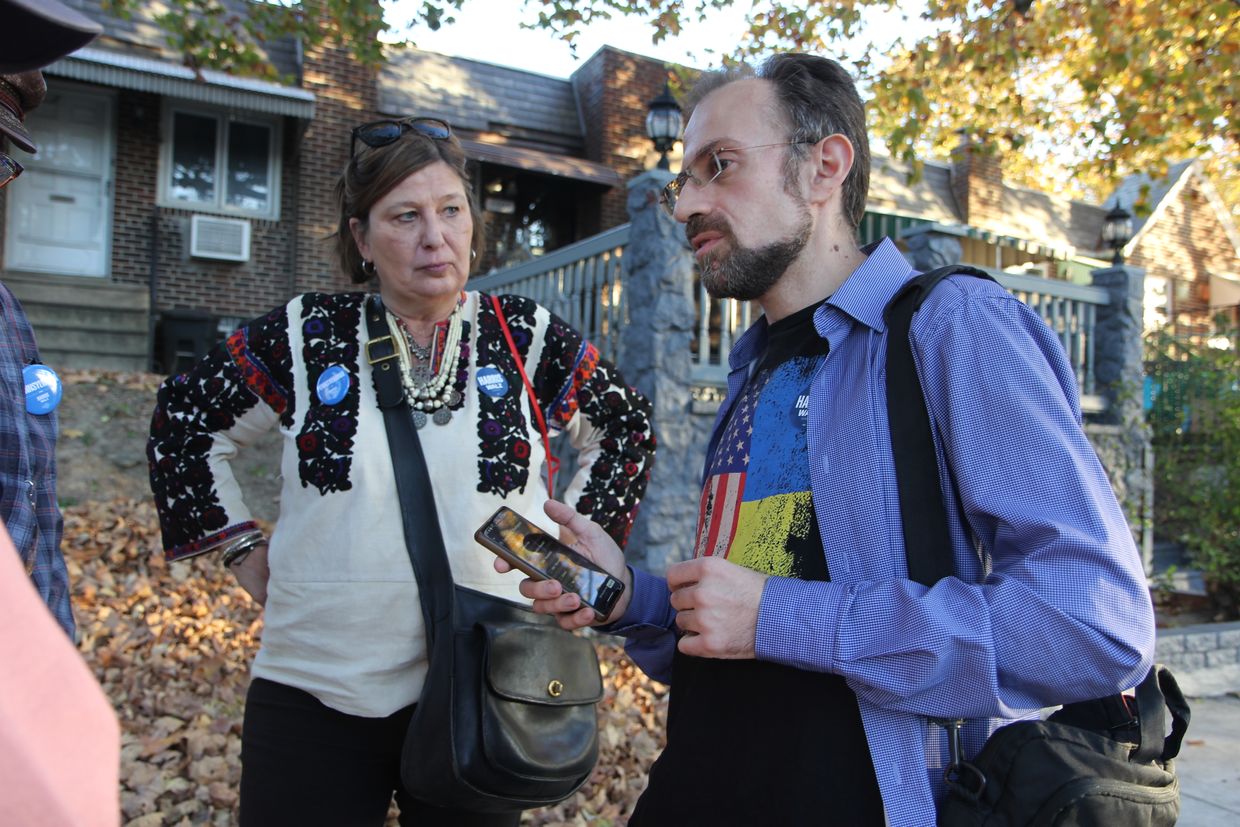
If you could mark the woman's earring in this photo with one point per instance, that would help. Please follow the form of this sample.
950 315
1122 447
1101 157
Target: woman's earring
368 267
473 254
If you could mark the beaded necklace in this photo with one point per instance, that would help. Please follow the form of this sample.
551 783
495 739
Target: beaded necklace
429 394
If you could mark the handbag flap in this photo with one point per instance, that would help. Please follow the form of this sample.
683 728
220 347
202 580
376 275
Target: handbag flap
541 664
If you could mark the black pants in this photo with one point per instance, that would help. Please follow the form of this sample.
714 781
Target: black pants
304 764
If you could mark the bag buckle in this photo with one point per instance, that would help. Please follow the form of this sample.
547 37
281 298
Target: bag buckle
960 776
379 341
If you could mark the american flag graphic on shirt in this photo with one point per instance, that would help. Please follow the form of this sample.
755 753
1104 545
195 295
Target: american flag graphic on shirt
756 501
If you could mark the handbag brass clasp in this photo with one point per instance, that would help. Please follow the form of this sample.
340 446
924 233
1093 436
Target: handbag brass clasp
556 688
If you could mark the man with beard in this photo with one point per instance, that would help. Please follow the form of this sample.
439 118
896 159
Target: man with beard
807 669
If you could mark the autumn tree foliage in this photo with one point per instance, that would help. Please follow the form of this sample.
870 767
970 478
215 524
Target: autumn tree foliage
1073 94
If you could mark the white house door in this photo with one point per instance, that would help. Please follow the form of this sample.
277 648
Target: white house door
58 210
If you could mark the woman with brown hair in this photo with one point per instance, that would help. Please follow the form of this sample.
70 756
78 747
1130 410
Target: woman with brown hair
343 653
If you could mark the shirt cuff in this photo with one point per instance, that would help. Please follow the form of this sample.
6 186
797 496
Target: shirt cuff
798 621
212 542
650 610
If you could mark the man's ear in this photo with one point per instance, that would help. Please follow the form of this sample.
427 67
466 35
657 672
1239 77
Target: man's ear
832 159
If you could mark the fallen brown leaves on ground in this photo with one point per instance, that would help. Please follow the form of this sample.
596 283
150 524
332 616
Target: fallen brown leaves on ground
172 644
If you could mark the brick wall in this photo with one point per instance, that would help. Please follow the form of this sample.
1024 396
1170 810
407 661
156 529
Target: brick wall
613 89
977 183
137 176
346 95
140 231
1184 244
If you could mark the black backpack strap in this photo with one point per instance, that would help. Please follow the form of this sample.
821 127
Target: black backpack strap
1168 693
927 543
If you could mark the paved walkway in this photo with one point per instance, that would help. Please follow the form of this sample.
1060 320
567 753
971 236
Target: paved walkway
1209 764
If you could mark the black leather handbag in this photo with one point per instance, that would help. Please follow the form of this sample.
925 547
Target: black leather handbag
507 719
1093 763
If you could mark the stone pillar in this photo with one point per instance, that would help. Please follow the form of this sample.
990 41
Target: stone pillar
932 245
658 280
1122 436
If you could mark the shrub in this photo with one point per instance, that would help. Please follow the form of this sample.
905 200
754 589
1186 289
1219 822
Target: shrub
1194 417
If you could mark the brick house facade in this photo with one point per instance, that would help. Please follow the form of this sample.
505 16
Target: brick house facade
552 158
1190 251
613 90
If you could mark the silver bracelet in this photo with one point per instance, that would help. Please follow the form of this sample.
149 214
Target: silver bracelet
241 548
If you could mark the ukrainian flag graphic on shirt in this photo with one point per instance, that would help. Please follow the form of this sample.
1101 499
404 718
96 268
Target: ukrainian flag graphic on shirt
756 508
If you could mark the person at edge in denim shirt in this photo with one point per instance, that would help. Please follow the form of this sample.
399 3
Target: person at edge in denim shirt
33 33
804 664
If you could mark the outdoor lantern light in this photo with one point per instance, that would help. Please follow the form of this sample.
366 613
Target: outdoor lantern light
663 123
1116 231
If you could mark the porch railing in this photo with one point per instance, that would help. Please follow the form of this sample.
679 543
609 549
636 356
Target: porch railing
1071 311
583 284
580 283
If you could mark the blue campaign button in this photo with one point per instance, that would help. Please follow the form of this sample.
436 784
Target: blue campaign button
333 384
492 382
43 389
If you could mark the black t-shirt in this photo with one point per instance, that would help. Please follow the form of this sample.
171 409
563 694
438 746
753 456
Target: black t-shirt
752 742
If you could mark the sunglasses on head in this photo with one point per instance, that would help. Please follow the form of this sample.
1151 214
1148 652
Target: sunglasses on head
381 133
9 169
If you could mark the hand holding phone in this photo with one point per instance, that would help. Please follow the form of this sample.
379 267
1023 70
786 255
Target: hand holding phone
528 548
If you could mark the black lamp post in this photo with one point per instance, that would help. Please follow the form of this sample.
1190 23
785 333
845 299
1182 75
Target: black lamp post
663 123
1116 231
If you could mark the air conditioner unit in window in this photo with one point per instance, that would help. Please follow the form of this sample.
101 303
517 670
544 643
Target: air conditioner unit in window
227 239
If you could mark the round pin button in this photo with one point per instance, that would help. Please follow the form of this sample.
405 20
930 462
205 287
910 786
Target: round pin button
492 382
333 384
43 389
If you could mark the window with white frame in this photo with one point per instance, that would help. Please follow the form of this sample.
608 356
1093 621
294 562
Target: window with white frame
221 162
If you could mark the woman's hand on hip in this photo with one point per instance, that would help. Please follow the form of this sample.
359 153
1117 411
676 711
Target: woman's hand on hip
252 573
591 541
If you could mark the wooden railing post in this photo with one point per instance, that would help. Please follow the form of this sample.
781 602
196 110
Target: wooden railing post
659 282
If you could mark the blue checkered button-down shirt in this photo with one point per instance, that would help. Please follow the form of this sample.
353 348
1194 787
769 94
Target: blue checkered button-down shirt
28 466
1055 608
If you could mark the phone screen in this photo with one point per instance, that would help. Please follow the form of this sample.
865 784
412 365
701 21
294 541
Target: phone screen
519 541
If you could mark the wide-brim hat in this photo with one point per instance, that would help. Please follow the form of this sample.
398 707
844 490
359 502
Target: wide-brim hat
34 33
18 95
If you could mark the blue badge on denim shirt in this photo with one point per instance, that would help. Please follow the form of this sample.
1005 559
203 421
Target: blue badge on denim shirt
43 389
492 382
333 384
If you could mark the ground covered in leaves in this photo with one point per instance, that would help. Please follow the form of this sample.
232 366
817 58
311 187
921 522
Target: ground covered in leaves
172 643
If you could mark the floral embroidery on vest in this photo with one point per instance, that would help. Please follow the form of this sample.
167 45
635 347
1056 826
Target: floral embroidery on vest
265 335
504 447
329 325
195 405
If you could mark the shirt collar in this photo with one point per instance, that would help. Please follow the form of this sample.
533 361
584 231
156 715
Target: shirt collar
865 293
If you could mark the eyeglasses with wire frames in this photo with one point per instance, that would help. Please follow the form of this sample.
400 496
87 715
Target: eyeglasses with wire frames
9 169
705 169
381 133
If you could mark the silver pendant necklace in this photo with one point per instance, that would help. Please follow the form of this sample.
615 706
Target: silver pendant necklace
430 395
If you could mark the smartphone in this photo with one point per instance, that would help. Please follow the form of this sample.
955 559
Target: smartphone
530 549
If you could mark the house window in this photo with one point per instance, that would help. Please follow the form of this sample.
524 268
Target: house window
217 162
